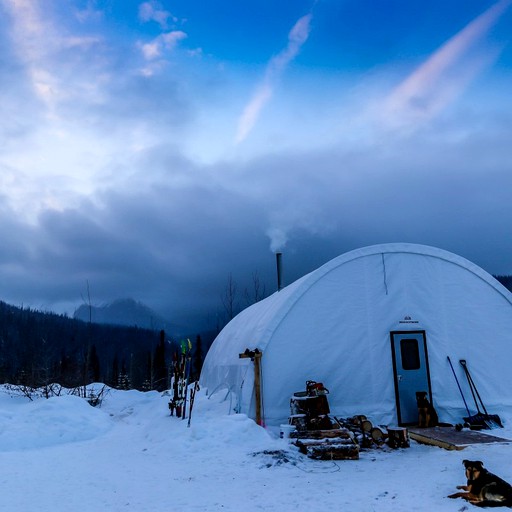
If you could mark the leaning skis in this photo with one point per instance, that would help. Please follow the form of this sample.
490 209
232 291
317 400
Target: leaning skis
181 374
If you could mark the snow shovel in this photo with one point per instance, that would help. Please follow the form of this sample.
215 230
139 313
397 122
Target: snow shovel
474 423
489 420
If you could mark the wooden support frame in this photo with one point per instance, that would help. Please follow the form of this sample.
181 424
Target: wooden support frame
255 356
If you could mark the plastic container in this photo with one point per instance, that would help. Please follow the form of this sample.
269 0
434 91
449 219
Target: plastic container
285 431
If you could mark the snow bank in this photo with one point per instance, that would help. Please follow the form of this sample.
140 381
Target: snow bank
62 454
42 423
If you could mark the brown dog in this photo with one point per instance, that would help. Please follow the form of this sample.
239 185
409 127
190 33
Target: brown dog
427 415
483 489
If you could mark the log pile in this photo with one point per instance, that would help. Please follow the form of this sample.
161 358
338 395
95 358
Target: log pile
322 436
316 434
366 434
331 444
369 436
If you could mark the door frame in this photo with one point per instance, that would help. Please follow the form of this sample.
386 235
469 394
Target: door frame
395 372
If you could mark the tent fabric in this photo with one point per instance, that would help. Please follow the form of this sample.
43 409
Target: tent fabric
333 326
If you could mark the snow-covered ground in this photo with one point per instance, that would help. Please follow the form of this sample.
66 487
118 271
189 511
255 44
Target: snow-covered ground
63 455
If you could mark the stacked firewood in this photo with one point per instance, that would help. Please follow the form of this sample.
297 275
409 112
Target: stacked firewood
333 444
366 434
317 434
322 436
370 436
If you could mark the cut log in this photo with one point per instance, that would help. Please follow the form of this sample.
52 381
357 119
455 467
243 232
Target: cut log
398 437
311 405
300 421
366 426
378 435
320 423
331 451
342 433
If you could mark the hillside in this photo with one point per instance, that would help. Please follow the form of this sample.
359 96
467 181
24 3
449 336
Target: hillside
39 347
127 312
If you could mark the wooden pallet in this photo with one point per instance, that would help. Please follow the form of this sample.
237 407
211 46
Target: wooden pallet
451 439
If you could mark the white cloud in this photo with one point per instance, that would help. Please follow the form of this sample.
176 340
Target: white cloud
297 36
151 50
153 11
167 41
434 85
171 39
90 13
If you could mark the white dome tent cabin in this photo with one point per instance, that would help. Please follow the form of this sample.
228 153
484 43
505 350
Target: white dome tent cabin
374 325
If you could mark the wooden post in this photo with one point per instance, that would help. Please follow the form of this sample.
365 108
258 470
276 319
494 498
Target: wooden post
257 387
255 356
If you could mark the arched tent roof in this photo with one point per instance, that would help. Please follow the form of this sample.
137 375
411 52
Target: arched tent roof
333 325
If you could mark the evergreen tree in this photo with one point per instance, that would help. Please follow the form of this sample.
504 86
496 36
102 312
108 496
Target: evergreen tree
94 365
160 366
115 372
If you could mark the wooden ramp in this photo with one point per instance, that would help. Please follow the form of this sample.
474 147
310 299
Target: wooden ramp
450 439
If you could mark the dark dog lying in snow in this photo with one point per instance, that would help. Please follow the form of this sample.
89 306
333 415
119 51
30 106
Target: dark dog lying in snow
483 488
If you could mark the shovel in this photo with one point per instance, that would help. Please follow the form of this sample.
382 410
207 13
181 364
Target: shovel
474 422
489 420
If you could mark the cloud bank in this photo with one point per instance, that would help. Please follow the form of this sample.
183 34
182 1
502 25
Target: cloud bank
99 184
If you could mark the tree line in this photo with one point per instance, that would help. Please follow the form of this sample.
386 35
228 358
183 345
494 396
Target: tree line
38 348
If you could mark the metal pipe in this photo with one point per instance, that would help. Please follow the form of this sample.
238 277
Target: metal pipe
279 270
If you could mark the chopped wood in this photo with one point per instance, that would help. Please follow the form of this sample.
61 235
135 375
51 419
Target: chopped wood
324 442
322 434
398 437
310 405
331 451
378 435
366 426
300 421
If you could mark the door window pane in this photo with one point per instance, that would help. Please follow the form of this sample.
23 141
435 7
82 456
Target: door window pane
410 354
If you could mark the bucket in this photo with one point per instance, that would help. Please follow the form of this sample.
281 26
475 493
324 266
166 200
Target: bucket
285 431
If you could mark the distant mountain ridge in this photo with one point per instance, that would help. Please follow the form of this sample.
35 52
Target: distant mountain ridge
127 312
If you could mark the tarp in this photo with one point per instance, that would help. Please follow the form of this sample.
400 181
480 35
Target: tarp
333 326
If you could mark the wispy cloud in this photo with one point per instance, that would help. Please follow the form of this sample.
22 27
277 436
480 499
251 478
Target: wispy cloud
167 41
442 77
297 36
38 44
153 11
89 13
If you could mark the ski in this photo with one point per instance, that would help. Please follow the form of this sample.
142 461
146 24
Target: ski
187 353
181 374
192 397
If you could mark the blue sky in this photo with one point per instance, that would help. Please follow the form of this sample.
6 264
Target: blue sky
155 148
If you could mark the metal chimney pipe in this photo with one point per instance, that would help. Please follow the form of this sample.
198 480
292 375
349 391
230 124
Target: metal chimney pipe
279 270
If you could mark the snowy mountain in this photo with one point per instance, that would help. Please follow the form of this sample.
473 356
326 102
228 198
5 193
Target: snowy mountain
122 312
